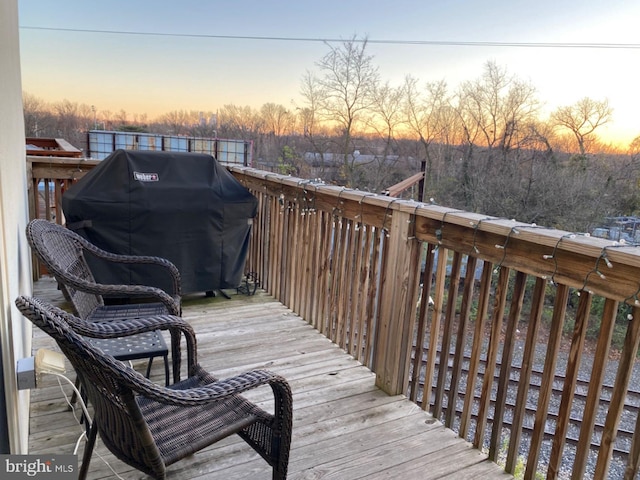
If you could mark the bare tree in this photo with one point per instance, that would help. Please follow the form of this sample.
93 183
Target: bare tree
243 122
383 122
104 120
176 122
277 124
204 125
38 120
343 93
121 118
500 106
276 119
313 130
426 113
140 119
67 117
582 119
634 147
495 111
72 121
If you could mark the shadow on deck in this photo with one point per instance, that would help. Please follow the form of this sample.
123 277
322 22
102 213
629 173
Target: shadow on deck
344 427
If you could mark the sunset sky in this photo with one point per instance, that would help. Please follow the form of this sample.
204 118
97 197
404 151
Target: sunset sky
155 56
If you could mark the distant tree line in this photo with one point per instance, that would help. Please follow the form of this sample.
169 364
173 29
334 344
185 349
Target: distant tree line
483 146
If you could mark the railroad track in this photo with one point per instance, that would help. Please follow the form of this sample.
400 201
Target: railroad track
632 404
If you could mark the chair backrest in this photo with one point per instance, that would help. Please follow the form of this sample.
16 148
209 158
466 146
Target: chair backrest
62 252
107 384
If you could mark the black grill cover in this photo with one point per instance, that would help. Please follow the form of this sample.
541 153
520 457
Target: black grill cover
184 207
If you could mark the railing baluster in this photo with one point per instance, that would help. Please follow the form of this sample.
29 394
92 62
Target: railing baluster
632 343
294 234
252 255
268 263
548 376
422 325
621 385
465 309
537 308
515 311
373 297
324 275
596 379
476 347
289 254
266 238
308 253
260 241
495 340
311 266
303 256
276 248
631 472
356 290
58 188
47 199
449 319
348 285
338 273
434 328
279 249
361 297
570 381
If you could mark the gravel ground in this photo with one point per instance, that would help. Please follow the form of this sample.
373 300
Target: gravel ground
627 421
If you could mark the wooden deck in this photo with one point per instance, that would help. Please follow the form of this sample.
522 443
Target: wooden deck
344 427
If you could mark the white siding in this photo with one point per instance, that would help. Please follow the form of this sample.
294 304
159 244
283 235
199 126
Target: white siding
15 268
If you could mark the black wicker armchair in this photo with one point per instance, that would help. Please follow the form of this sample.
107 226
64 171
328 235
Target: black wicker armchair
64 253
149 426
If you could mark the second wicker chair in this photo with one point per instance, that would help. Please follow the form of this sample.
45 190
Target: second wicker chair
64 253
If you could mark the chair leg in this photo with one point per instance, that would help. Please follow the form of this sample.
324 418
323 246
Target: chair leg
74 397
149 367
88 450
166 370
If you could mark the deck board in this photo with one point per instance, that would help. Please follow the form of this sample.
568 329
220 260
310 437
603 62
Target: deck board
344 427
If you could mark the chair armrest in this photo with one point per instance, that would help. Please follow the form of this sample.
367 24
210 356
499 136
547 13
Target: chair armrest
172 303
124 328
214 391
170 268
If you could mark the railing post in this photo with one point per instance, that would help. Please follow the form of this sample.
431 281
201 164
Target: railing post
399 295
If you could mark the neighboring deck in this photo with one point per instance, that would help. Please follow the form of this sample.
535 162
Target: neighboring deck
344 427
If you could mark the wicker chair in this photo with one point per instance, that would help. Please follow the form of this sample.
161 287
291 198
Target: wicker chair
149 426
64 253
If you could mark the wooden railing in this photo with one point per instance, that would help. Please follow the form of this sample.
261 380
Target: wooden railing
50 176
363 268
391 282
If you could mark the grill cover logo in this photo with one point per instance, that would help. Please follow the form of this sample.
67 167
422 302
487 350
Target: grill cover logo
146 177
